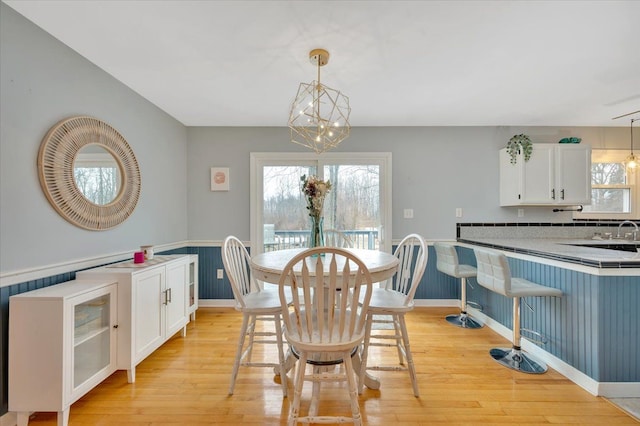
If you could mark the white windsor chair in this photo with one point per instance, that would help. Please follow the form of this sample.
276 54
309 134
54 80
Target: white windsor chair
395 299
324 321
256 304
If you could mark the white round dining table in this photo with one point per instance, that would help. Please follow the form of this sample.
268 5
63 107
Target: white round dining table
268 267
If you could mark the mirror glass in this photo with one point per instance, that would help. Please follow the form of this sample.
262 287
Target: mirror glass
97 174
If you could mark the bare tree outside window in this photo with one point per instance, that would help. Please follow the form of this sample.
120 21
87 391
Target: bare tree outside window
608 193
352 206
98 184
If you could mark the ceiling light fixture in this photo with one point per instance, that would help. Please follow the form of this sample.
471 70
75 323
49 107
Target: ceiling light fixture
319 117
631 162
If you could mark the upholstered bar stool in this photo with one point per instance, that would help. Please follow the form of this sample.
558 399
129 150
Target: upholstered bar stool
494 274
447 263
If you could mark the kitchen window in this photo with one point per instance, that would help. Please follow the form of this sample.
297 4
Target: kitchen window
614 189
358 205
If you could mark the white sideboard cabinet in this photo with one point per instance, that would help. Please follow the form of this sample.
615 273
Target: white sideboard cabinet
154 303
556 174
62 343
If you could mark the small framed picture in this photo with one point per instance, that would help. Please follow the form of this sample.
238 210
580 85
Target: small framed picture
219 178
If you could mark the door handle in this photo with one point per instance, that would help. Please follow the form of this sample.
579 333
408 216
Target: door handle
562 194
553 194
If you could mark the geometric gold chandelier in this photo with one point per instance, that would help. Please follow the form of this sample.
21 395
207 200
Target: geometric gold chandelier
319 116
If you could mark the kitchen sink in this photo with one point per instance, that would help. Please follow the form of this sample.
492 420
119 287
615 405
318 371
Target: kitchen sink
632 246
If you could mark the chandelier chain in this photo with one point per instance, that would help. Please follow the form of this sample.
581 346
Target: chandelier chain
631 127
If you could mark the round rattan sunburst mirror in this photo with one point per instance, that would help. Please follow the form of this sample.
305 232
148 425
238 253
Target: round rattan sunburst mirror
58 153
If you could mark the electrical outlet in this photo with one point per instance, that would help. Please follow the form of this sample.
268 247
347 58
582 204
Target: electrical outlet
520 212
408 213
459 212
220 273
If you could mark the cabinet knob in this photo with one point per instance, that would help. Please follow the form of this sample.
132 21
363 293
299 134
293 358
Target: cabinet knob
115 326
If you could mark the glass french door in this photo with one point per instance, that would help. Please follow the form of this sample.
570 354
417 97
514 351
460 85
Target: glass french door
358 204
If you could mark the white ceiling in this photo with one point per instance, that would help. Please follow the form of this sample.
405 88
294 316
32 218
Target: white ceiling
402 63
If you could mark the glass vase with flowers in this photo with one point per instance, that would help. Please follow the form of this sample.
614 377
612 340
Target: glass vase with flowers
315 190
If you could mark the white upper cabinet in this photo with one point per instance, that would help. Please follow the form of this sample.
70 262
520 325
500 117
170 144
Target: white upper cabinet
556 174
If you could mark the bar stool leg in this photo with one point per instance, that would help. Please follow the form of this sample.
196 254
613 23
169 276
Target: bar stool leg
515 358
463 319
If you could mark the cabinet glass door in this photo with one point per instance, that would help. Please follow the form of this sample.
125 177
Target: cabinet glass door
91 343
192 284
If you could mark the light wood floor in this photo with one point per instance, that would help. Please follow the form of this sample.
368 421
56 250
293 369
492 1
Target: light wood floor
186 381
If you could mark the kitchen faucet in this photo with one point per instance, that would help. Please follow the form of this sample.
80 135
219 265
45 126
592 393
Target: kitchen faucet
631 223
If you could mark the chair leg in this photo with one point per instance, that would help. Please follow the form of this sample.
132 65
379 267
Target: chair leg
315 393
294 410
236 364
252 331
409 356
398 333
365 352
283 372
353 390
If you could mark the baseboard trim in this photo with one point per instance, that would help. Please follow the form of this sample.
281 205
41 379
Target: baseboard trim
216 303
437 303
619 390
9 419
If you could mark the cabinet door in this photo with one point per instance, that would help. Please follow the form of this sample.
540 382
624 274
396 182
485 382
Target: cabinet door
192 281
510 177
538 176
93 353
573 174
175 297
148 312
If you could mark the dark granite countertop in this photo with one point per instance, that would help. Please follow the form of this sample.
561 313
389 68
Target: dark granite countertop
576 251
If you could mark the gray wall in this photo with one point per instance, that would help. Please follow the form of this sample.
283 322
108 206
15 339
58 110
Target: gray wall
42 82
435 170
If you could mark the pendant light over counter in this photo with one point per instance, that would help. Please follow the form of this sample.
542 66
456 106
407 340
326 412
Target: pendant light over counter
632 160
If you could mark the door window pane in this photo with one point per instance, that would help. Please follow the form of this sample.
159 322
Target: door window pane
285 217
353 205
358 203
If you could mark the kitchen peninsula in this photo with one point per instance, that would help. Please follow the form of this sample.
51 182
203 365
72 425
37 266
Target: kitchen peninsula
592 332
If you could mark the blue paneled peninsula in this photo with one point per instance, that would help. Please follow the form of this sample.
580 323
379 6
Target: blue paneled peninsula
593 330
